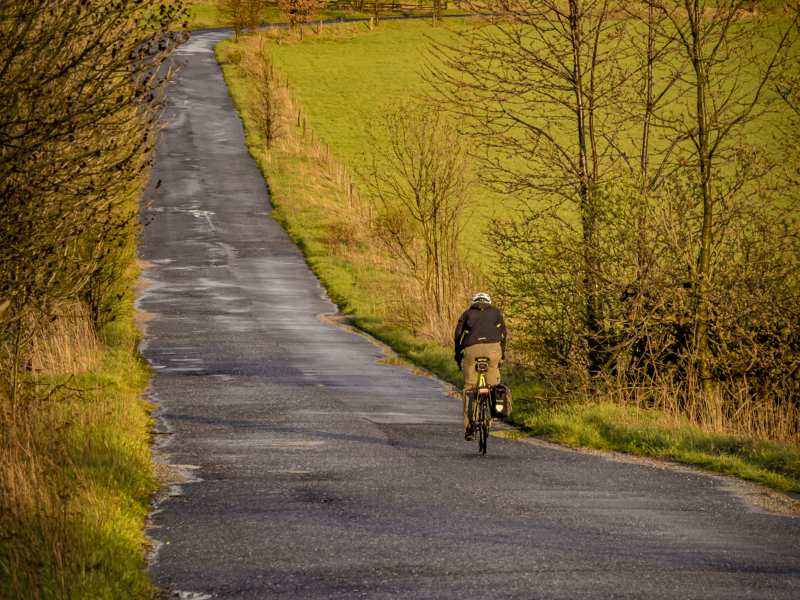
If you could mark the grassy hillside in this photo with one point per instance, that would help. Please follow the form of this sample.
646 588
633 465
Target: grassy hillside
343 76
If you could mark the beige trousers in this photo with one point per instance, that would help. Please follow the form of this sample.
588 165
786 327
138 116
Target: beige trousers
494 353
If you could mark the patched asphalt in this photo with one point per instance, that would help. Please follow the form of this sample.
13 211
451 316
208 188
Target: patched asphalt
314 471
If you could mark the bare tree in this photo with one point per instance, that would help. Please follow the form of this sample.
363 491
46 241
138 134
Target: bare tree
652 88
786 82
80 98
418 172
643 139
536 90
265 103
725 91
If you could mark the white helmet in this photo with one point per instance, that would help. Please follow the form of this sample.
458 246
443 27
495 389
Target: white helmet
481 297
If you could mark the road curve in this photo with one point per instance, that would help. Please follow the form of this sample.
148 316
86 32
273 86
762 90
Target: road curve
314 471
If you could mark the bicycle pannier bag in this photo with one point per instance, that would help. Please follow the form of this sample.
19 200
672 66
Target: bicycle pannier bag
502 404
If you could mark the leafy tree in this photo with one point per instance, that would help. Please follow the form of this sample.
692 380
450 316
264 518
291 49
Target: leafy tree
299 12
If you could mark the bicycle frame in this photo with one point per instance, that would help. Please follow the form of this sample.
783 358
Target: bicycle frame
482 418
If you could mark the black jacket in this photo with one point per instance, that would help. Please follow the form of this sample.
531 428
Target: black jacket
482 323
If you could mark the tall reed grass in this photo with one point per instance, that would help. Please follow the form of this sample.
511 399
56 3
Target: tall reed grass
68 346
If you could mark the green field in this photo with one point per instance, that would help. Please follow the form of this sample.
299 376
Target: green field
343 83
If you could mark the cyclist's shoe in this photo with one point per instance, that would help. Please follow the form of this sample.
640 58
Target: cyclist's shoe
469 434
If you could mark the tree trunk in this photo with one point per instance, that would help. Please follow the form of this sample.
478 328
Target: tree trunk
588 224
648 112
702 285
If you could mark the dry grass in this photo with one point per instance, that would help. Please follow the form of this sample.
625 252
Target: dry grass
74 472
732 412
69 346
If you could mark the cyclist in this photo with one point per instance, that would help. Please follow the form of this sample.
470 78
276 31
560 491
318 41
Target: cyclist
480 332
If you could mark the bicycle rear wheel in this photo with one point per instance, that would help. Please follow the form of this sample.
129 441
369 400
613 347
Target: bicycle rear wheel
483 425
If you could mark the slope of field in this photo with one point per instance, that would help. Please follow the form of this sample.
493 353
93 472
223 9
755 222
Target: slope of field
343 82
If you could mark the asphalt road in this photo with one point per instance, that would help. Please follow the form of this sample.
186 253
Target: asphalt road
317 472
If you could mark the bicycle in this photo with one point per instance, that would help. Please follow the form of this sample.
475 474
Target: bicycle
482 415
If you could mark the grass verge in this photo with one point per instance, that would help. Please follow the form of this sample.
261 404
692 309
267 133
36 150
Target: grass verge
338 78
657 434
76 481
